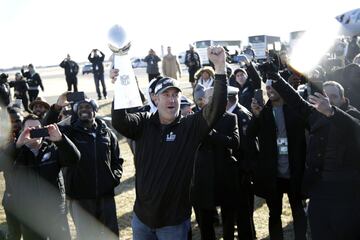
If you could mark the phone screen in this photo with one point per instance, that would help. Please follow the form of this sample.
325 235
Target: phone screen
39 132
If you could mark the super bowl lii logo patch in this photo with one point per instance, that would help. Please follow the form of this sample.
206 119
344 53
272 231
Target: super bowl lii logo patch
170 137
125 80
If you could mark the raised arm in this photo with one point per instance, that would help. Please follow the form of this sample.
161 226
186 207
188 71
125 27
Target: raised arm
216 107
253 75
291 97
128 124
68 153
90 58
348 124
102 57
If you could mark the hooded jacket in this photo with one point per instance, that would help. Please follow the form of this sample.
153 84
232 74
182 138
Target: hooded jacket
100 167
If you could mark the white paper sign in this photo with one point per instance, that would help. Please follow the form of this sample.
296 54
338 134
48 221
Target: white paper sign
126 92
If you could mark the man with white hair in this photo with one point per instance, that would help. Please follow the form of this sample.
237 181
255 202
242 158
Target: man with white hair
335 92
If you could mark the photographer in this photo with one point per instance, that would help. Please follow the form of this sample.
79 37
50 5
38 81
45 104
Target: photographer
34 81
192 61
20 90
98 71
38 191
4 90
246 80
71 70
281 161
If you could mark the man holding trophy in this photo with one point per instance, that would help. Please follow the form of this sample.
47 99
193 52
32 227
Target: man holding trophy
165 146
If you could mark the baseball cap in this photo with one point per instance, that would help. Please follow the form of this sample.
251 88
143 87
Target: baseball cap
185 102
165 83
89 101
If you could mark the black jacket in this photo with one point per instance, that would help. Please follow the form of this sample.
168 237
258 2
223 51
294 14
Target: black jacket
192 60
214 180
97 63
344 132
246 92
20 88
246 153
348 77
100 168
5 96
34 81
164 158
266 171
35 183
71 68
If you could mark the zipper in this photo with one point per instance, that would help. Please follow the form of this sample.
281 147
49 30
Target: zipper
96 171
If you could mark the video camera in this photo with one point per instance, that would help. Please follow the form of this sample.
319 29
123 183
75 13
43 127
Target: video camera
272 65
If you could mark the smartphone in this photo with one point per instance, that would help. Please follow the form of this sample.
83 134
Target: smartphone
75 96
39 133
316 86
258 95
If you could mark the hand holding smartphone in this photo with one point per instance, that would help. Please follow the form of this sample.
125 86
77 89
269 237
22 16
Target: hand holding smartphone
316 86
258 95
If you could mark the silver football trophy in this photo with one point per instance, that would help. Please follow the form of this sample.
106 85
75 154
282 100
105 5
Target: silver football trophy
126 92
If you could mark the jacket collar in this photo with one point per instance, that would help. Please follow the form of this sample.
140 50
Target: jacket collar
346 105
99 127
154 118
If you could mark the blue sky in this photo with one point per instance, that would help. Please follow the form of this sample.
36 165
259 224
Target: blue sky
42 32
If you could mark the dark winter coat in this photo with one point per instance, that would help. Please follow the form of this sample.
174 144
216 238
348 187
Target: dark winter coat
246 92
264 127
71 68
4 94
349 78
246 153
100 168
342 128
214 180
35 189
20 88
33 80
97 63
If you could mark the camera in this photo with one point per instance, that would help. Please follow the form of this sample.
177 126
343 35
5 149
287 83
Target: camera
75 96
258 95
316 86
270 66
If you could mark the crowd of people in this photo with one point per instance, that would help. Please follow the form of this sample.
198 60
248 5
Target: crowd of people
291 144
261 130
